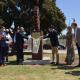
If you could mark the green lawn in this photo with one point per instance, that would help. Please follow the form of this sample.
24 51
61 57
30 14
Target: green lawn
39 72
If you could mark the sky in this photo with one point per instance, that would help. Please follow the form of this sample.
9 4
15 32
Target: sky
71 9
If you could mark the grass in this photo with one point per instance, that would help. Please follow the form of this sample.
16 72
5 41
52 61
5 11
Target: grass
39 72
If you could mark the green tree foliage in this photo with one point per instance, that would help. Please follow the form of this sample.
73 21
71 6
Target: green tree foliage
21 12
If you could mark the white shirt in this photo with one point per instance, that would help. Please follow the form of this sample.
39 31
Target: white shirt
9 38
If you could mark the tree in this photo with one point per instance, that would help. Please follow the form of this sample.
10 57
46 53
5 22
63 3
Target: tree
21 12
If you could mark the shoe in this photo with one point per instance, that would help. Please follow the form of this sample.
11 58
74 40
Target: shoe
57 63
3 65
0 65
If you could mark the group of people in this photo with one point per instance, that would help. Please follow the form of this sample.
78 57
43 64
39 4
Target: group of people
5 40
71 39
14 39
8 37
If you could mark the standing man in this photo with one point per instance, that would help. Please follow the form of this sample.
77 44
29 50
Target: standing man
19 41
77 40
54 44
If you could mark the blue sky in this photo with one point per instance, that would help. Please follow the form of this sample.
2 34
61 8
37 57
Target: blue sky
71 9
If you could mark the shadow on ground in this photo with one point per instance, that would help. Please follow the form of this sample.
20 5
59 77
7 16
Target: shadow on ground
64 67
11 63
75 73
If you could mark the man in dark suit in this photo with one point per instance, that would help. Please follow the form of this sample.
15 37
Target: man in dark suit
19 41
54 44
77 41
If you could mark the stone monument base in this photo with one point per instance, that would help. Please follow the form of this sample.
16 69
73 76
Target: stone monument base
37 62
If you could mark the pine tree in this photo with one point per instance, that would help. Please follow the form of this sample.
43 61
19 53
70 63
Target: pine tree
21 12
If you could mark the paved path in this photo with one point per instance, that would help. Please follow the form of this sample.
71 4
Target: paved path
49 51
60 51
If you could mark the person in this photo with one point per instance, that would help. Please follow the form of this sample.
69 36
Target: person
54 44
8 44
2 46
77 40
11 32
70 49
19 41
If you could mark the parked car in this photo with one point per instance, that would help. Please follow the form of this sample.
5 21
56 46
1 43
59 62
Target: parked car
46 46
61 47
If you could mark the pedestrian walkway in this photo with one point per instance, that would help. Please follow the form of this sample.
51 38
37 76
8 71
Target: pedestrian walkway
60 51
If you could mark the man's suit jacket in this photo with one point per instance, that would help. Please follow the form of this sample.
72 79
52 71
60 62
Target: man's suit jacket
53 38
20 39
78 36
